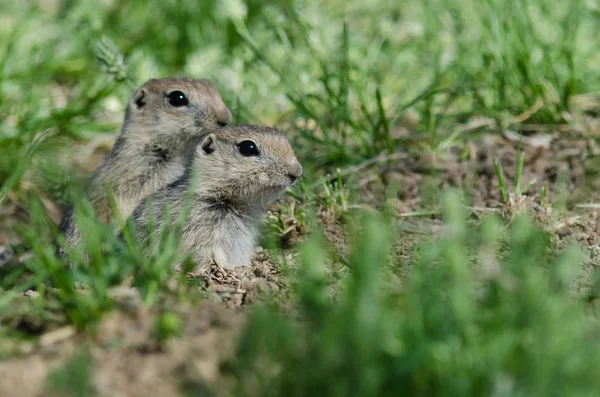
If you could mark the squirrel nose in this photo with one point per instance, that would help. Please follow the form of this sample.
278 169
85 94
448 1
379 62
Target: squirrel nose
295 172
224 117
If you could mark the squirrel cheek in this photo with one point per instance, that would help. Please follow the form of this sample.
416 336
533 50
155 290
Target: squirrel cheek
264 179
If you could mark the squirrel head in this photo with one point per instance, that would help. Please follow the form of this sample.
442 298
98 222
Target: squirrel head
245 164
176 109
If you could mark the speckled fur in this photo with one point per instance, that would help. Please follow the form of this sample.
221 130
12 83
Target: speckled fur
156 142
229 194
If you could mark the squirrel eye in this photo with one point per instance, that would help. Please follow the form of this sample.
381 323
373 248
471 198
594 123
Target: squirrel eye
248 148
178 99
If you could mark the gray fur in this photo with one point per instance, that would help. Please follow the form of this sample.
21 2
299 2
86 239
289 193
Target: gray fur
228 195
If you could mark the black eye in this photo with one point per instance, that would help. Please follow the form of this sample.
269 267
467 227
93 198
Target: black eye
177 99
248 148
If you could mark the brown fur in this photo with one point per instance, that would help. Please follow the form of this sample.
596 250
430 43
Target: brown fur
156 142
228 192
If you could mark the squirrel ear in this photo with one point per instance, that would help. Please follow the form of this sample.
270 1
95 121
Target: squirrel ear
139 98
208 144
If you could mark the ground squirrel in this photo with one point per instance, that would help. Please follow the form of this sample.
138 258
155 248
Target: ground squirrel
164 120
234 174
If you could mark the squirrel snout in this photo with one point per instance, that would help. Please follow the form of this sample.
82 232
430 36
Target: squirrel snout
224 117
295 172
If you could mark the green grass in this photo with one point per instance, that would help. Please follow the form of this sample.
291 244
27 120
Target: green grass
74 379
487 309
455 329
